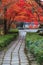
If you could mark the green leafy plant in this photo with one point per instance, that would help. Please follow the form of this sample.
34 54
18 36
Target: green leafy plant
34 43
6 39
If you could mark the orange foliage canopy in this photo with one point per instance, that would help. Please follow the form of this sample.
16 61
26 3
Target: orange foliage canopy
22 11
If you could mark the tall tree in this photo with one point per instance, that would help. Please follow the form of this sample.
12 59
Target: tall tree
21 11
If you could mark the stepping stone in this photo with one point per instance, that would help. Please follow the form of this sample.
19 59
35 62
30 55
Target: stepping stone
5 64
15 58
24 63
24 60
7 58
23 57
14 54
15 64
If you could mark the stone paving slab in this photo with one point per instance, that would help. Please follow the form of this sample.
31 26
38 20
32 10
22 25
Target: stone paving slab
15 64
24 60
25 63
14 58
17 48
6 64
8 52
23 57
7 58
15 54
22 52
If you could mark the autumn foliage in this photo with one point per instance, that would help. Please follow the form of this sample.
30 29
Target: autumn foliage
21 10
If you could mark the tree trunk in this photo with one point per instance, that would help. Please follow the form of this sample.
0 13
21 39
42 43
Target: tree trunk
5 26
9 25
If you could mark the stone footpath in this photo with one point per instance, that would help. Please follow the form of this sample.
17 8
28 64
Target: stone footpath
15 55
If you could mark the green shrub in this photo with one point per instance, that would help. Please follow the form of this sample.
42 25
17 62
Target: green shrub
13 31
6 39
34 43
